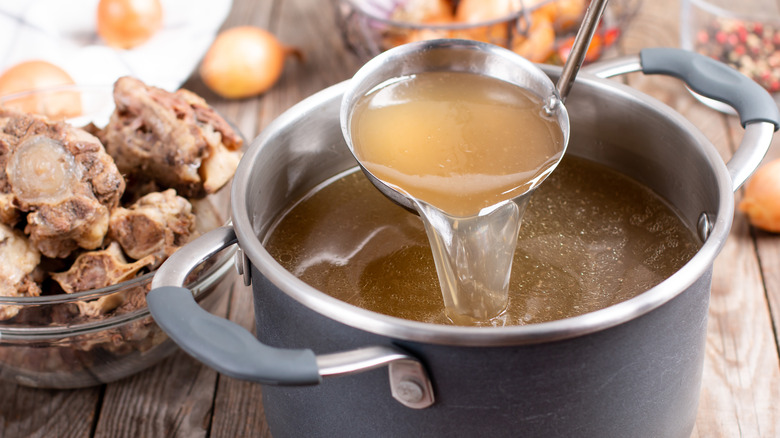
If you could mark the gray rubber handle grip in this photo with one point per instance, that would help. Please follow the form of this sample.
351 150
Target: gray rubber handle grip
226 346
715 80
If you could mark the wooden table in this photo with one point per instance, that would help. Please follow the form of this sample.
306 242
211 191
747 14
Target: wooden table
180 397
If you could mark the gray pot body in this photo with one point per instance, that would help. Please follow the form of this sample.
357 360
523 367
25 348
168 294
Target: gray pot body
631 370
638 379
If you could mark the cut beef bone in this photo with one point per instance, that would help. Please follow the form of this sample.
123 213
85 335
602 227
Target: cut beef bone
17 269
61 177
156 225
175 139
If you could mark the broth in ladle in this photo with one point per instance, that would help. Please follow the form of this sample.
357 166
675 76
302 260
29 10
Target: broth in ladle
460 142
467 149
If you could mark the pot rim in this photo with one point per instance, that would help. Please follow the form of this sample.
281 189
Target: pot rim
408 330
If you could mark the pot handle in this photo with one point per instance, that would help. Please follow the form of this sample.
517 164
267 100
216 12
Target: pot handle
757 110
232 350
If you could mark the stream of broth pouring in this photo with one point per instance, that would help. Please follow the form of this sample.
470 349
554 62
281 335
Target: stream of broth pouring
591 238
467 149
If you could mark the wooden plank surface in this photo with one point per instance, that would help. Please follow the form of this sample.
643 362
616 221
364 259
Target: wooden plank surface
182 398
28 412
742 374
741 379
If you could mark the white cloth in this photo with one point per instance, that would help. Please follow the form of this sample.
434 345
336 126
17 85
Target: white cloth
63 32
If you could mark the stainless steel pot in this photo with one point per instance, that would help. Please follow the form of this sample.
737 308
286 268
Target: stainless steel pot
632 369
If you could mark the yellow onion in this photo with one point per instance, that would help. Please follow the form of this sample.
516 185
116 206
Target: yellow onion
244 61
125 24
36 75
761 202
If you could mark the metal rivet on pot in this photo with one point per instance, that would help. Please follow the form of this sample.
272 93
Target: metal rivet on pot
242 267
410 385
410 391
704 226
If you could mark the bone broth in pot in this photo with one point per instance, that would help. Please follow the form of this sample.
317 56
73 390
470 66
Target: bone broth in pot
621 361
590 238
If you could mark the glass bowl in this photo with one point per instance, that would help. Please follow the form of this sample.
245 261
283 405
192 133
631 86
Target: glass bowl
540 30
49 343
744 35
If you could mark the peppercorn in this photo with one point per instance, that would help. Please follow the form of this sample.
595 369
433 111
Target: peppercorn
753 48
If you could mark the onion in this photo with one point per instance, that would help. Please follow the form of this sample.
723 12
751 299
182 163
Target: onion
36 75
761 202
125 24
423 12
477 11
539 44
244 61
564 14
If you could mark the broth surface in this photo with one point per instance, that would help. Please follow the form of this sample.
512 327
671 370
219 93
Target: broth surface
591 238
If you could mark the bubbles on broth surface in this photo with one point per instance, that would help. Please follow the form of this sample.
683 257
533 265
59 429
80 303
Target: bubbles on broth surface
591 238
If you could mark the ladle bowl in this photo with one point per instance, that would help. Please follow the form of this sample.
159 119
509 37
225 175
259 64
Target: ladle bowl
473 251
449 55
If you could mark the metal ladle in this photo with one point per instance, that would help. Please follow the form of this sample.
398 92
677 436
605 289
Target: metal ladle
472 57
472 293
580 46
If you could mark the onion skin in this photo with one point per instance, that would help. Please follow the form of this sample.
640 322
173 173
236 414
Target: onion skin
540 42
477 11
243 61
39 75
761 201
564 14
423 11
124 24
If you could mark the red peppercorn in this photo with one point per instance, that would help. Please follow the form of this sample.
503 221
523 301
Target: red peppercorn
703 37
750 47
742 33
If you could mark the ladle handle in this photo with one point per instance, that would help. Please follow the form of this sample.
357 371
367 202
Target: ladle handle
757 109
232 350
580 47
